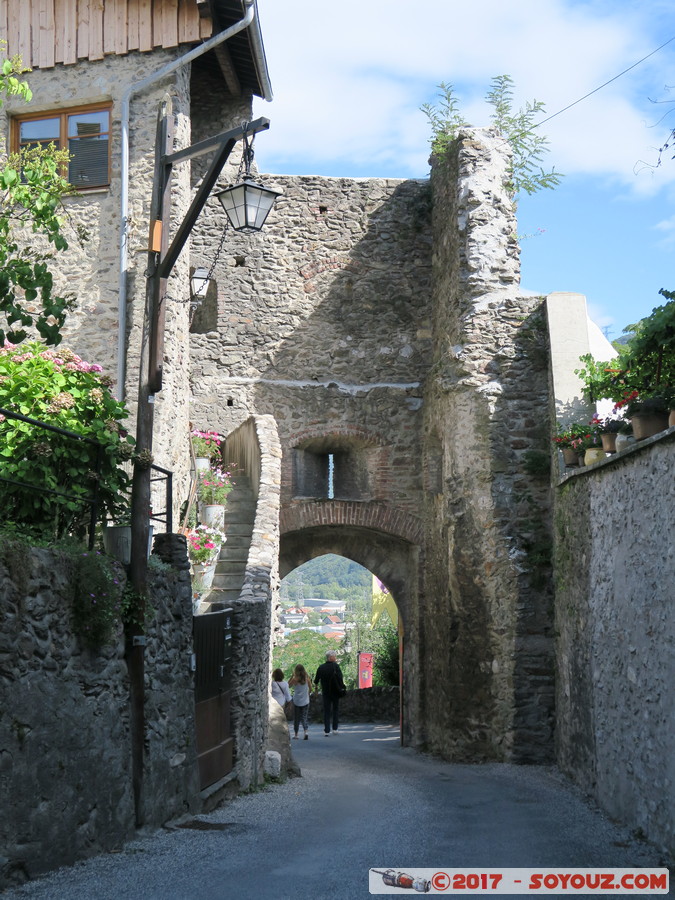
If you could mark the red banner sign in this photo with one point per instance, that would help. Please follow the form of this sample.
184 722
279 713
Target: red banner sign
365 670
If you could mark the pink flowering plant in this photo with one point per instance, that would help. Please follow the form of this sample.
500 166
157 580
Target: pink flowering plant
568 436
59 388
204 543
213 486
207 444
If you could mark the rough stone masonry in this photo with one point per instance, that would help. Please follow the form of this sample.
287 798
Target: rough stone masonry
379 322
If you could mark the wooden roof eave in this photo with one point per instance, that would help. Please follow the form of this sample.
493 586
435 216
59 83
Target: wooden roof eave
245 52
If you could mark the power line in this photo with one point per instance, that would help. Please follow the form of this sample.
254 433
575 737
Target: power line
595 90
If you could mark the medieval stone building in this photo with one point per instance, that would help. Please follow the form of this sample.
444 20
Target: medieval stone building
375 326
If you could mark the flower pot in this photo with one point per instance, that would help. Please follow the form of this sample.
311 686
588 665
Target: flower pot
609 442
645 426
623 441
213 515
203 573
570 457
671 418
593 455
202 463
117 542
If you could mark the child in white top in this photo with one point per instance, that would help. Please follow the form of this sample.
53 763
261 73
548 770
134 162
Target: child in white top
302 686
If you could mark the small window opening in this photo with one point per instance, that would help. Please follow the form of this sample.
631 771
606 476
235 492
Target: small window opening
240 261
205 316
230 401
331 473
323 210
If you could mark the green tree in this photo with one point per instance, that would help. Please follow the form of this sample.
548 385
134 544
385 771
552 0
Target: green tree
306 647
381 641
646 362
518 128
31 190
331 577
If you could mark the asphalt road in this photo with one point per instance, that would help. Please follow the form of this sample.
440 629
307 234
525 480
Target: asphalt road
362 802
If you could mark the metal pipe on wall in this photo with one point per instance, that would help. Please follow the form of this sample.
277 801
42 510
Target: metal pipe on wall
136 88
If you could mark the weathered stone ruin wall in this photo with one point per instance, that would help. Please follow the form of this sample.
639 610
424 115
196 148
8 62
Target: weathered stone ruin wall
487 642
322 319
323 322
65 751
614 569
254 448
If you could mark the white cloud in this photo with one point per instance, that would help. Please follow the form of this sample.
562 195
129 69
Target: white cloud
667 227
349 79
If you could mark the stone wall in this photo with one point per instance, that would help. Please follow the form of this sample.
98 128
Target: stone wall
614 569
323 322
431 397
254 448
376 704
487 636
65 753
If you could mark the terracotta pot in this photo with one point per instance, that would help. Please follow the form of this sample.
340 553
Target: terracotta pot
570 457
608 442
593 455
645 426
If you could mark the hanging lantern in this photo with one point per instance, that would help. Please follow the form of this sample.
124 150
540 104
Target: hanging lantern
199 283
247 204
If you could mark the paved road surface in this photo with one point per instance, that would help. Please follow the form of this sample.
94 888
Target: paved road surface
363 802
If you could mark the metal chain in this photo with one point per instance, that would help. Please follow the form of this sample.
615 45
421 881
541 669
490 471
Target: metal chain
245 161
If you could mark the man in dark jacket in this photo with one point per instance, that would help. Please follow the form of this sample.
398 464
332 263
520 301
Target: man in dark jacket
329 675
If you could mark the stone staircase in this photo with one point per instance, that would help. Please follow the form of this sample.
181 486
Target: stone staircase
231 567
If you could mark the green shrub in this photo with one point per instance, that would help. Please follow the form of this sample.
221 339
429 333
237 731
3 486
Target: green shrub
97 588
59 388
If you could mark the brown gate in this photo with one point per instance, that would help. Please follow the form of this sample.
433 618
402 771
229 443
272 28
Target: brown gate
212 634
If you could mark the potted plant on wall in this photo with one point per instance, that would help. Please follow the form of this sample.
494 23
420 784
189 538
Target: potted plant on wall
204 545
213 487
567 439
206 447
648 411
607 428
591 446
624 438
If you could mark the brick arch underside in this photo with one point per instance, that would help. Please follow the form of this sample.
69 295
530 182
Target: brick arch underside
392 559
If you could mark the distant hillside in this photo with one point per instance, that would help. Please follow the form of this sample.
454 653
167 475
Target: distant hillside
331 577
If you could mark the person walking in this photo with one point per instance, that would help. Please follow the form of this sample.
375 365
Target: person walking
329 675
280 690
302 687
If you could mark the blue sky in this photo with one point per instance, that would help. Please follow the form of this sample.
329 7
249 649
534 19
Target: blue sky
349 79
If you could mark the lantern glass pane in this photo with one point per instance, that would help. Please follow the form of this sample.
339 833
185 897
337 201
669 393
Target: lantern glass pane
200 282
247 205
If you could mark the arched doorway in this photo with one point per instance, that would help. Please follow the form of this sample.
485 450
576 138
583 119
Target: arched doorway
334 603
394 561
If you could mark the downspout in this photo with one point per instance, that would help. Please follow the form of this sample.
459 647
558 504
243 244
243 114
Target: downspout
124 172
